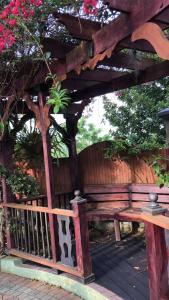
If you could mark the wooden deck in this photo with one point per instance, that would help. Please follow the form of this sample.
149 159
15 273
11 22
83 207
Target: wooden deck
121 267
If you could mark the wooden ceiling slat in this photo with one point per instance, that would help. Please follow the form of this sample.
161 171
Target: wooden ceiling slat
152 73
124 5
73 85
78 27
163 16
56 48
110 35
77 56
127 61
96 75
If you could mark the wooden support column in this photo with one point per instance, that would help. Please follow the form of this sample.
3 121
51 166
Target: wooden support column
6 147
6 150
84 262
157 262
71 125
42 118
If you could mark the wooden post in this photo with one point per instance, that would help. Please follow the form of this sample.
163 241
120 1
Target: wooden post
117 230
6 161
71 124
84 263
157 262
44 127
41 112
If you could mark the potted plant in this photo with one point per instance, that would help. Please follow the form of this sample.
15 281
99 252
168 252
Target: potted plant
21 184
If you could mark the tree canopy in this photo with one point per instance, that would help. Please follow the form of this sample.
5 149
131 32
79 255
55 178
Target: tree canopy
88 134
134 121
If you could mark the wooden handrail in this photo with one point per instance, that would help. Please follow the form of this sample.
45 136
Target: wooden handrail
54 211
40 197
159 220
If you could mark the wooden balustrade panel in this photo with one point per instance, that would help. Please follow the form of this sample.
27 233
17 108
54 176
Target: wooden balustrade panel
29 226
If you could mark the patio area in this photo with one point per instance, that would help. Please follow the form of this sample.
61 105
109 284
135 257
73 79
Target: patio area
121 267
120 270
18 288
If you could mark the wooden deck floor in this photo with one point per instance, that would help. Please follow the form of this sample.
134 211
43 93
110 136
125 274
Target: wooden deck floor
121 267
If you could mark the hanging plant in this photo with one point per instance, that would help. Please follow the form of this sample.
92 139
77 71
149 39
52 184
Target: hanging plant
59 97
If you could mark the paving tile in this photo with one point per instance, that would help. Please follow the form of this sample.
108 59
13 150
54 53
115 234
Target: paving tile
17 288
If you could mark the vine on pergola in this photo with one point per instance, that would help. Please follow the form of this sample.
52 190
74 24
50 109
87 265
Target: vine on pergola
23 27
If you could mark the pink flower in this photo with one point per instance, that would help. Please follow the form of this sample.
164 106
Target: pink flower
90 6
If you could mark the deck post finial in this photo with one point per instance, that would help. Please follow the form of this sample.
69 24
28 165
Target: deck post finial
154 208
78 199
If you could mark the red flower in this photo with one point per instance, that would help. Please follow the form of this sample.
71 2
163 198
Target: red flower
18 8
90 6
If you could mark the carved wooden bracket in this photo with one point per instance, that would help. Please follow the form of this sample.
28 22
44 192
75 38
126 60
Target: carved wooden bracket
41 113
155 36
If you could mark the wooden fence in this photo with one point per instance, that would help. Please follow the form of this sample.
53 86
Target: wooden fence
94 168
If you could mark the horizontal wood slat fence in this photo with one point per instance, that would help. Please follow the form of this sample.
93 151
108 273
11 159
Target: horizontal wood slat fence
94 168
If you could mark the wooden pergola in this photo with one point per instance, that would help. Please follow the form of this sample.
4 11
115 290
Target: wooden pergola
131 49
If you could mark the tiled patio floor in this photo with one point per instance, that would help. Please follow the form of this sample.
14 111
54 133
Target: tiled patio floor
17 288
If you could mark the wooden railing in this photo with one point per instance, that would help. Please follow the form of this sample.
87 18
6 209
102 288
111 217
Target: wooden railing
40 200
31 237
61 200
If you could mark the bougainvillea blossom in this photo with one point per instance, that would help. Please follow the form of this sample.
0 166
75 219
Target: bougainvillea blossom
90 6
23 9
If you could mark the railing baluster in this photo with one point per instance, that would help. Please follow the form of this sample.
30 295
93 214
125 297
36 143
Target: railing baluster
37 233
33 232
59 202
25 231
21 229
47 235
42 233
14 226
17 227
65 200
29 236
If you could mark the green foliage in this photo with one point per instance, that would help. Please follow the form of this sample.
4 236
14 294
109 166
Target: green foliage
59 97
88 134
28 148
135 126
124 149
2 128
19 182
58 148
161 170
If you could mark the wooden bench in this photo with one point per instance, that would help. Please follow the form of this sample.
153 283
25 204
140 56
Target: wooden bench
122 202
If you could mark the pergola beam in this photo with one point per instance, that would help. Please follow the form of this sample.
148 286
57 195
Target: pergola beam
110 35
152 73
79 28
96 75
127 61
124 6
56 48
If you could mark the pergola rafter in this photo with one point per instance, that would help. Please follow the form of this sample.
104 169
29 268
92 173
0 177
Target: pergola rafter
100 48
